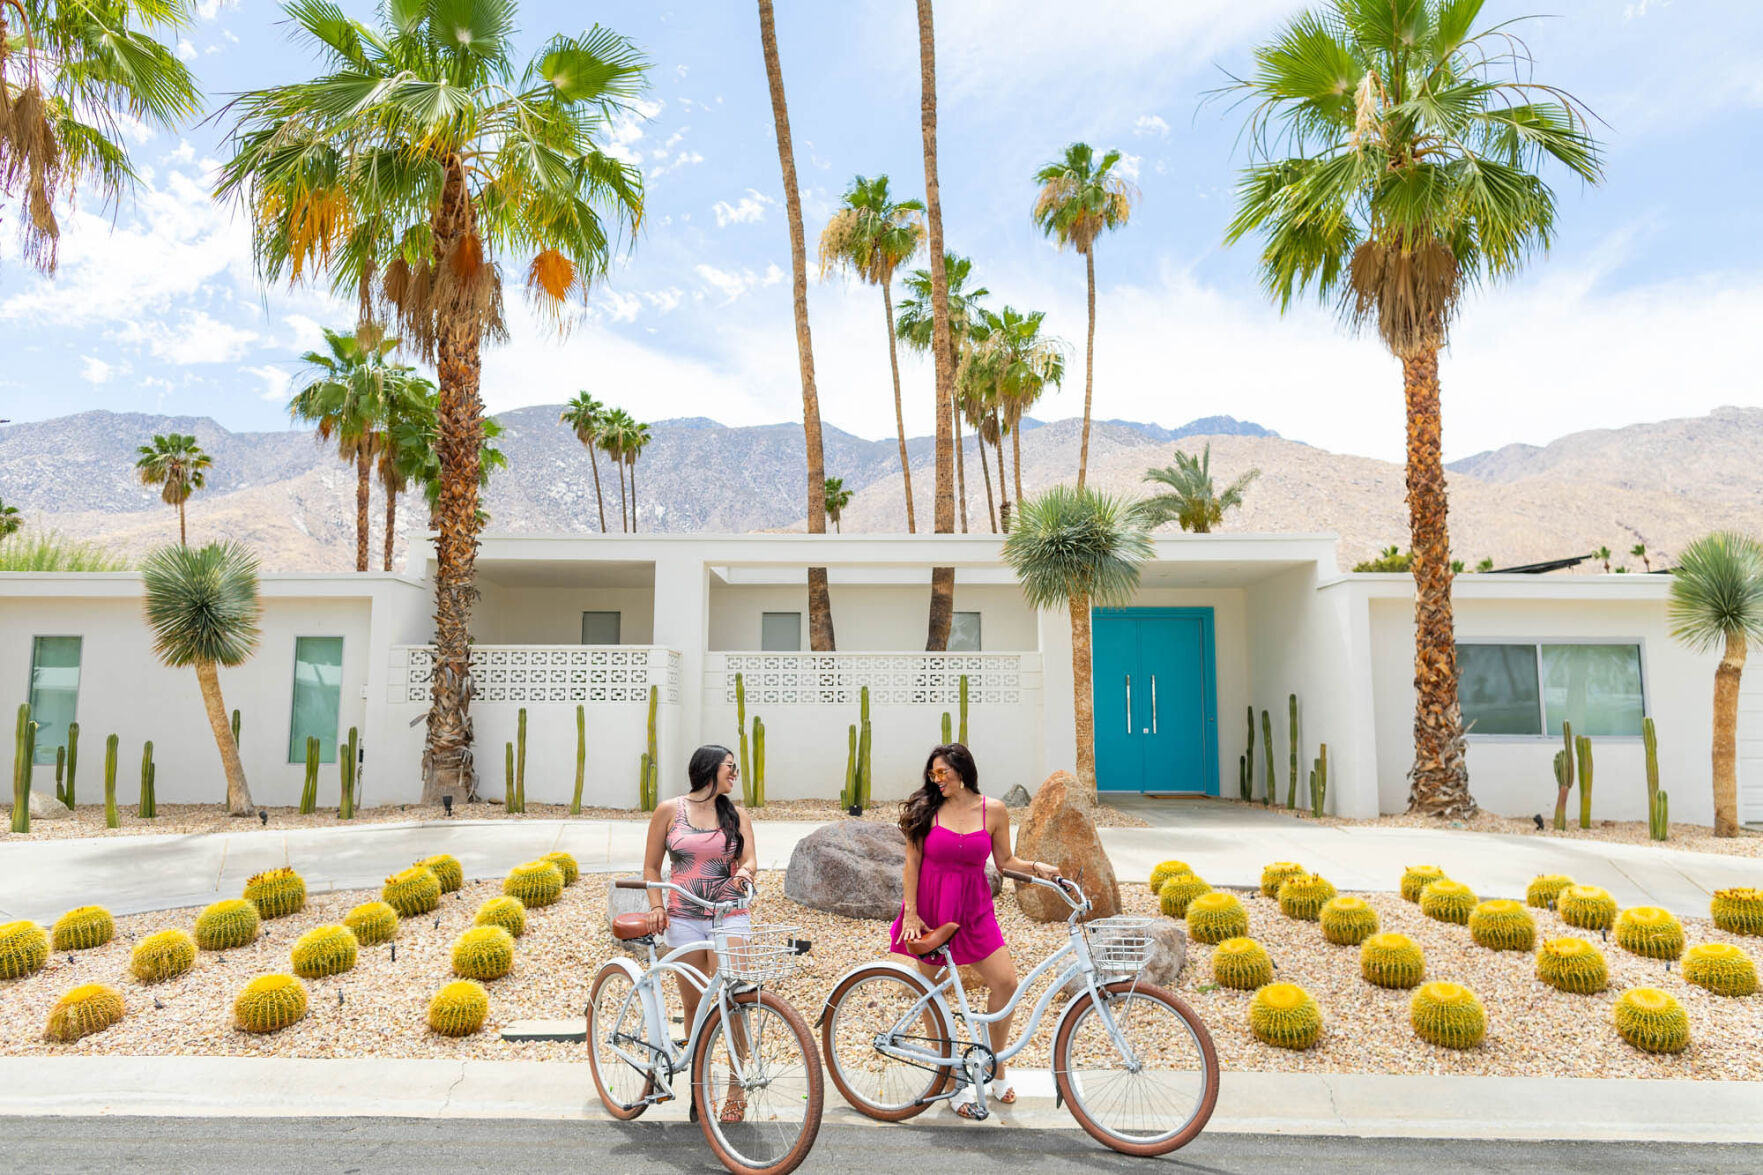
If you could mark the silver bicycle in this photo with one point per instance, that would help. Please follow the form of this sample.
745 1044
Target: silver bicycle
1132 1062
744 1041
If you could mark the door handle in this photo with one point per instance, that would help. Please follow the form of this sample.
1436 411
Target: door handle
1129 703
1153 703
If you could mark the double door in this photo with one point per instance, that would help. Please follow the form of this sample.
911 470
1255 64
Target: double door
1156 708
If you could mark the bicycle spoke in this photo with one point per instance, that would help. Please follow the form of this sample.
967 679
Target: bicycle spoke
754 1057
881 1006
1156 1094
617 1037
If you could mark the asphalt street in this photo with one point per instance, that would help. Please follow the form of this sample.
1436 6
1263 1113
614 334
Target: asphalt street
420 1146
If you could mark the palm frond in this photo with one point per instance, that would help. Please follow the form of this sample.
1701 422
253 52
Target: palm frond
201 603
1717 591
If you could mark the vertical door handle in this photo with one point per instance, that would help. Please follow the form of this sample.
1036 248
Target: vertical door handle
1153 703
1129 703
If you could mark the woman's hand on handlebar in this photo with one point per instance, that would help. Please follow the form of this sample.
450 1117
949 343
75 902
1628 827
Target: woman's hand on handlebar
1044 871
657 919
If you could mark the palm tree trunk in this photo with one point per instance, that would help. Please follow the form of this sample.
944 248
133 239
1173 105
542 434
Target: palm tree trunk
960 463
238 793
991 510
599 498
1440 776
1083 449
624 523
183 535
447 757
1003 490
1016 456
1083 701
633 495
942 579
1726 717
899 413
363 486
391 522
820 612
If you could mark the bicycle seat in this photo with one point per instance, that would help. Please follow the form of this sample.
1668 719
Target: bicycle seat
932 940
626 927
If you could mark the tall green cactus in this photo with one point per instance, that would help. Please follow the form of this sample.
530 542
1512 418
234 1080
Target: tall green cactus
520 761
961 733
651 781
849 795
60 772
24 753
1658 825
309 787
510 803
149 809
741 717
1292 735
581 759
73 759
1563 775
111 819
758 762
1319 782
236 724
1659 816
1584 745
1244 784
948 728
864 746
643 781
346 797
1272 778
1249 757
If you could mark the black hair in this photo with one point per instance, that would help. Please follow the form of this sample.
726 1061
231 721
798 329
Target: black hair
920 810
701 773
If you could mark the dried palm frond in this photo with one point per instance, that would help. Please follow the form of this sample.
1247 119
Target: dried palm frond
1411 291
1366 100
842 241
32 154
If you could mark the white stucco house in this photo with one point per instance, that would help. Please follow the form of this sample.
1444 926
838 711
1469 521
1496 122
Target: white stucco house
1221 625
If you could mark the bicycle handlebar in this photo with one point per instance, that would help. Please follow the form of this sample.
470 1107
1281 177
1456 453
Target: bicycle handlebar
1063 886
714 907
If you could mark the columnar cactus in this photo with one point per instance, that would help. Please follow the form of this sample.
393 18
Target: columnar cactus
227 924
581 759
741 718
24 757
1244 785
1416 878
111 818
88 1008
1178 891
73 760
1447 1015
447 870
1658 804
325 950
1292 737
148 808
309 787
1502 925
1563 776
276 893
1721 968
1241 963
82 928
459 1008
1448 901
1249 760
1276 874
758 762
510 801
1347 920
348 756
1303 897
652 784
849 795
520 761
1652 1021
60 772
483 952
1391 960
237 722
1650 932
1583 744
536 883
1587 907
948 735
1319 783
1286 1016
1738 910
412 891
505 912
1271 784
1572 965
24 948
961 731
865 749
163 955
270 1003
1216 916
1545 889
1164 870
373 923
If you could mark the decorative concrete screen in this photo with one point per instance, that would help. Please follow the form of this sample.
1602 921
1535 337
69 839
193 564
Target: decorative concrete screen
894 679
533 674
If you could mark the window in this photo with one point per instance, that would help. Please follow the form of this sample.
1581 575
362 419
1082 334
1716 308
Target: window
964 633
780 632
318 696
1531 689
55 688
600 628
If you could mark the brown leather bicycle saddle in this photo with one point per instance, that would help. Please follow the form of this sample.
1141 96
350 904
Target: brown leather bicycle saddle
931 940
628 926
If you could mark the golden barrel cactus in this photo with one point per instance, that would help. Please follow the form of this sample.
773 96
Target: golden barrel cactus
1652 1020
1216 916
1178 891
162 955
1445 900
1391 960
1241 963
505 912
1347 920
1721 968
324 950
459 1008
447 870
412 892
1572 965
1738 910
24 948
82 928
483 952
88 1008
1545 888
1448 1015
270 1003
565 862
1586 907
1416 878
373 923
1286 1016
1501 924
1163 871
1275 875
536 883
1302 897
227 924
276 893
1650 932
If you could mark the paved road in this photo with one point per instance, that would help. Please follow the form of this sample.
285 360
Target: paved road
404 1146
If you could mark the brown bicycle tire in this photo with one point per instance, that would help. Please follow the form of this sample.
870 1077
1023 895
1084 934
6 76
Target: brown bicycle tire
816 1086
623 1114
940 1028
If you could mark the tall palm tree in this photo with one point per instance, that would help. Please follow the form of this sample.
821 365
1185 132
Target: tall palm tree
872 235
202 607
1074 548
1639 551
1012 365
417 402
419 460
1717 602
584 415
11 521
616 429
1602 554
1416 144
916 327
1190 498
837 498
942 579
1080 199
821 638
177 464
421 160
637 439
77 77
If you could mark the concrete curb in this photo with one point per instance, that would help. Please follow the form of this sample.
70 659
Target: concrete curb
1338 1104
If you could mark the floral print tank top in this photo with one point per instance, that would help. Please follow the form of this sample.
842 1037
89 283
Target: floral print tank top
702 863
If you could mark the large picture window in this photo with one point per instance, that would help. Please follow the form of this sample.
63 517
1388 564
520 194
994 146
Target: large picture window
780 632
964 633
1511 688
601 628
55 691
318 696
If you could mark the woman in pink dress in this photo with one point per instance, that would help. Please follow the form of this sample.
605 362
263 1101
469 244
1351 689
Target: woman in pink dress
950 831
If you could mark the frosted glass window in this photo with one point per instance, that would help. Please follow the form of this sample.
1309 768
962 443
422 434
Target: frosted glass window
964 633
1595 687
780 632
55 690
1497 686
600 628
318 696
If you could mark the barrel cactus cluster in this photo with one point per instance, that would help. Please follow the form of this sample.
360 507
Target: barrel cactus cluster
483 952
1216 916
1448 1015
447 870
88 1008
505 912
459 1008
1586 907
82 928
324 950
1572 965
1650 932
1391 960
1416 878
1739 910
227 925
1721 968
270 1003
536 883
373 923
1544 889
566 863
1347 920
1302 897
412 892
1652 1020
1242 964
1178 891
1445 900
24 948
162 955
1277 874
1286 1016
1163 871
1501 924
276 893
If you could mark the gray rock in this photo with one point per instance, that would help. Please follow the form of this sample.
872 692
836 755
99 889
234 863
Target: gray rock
1017 797
48 808
854 868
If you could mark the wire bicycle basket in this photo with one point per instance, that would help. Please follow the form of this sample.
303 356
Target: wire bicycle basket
1121 945
763 954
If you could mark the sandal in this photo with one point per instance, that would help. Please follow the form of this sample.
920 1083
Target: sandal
734 1109
1003 1092
968 1110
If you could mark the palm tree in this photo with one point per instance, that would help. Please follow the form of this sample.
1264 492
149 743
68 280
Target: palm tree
176 462
942 579
637 439
404 174
202 607
1717 600
1416 141
872 235
616 430
419 461
916 327
1013 366
11 521
584 415
1190 498
1079 200
820 611
77 78
1602 554
1074 548
354 395
837 498
417 402
1639 551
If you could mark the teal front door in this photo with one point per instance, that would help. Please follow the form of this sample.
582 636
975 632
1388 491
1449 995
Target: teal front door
1156 705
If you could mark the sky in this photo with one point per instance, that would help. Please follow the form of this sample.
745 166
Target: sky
1645 308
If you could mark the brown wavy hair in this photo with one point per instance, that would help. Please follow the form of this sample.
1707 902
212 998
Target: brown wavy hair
920 810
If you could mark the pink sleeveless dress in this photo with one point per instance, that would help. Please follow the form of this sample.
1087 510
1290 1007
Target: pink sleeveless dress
952 887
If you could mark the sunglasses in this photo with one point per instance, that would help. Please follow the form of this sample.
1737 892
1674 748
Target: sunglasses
943 774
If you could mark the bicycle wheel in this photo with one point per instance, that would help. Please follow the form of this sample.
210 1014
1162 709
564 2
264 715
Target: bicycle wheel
870 1003
1160 1101
777 1077
616 1035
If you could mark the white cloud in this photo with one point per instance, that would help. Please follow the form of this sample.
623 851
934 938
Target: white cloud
748 210
1151 124
667 300
209 9
308 334
182 153
1129 166
733 284
276 382
620 307
94 370
186 51
197 337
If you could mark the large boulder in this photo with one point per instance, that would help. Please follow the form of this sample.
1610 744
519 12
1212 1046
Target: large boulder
854 868
44 807
1058 830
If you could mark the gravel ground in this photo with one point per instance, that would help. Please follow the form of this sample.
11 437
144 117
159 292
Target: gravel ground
1694 838
183 819
1532 1029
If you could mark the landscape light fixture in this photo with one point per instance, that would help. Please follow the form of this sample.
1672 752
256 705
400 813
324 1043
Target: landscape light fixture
263 816
447 803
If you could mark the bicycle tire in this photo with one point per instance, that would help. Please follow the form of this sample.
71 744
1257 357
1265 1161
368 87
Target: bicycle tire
704 1099
624 1112
911 1102
1075 1101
